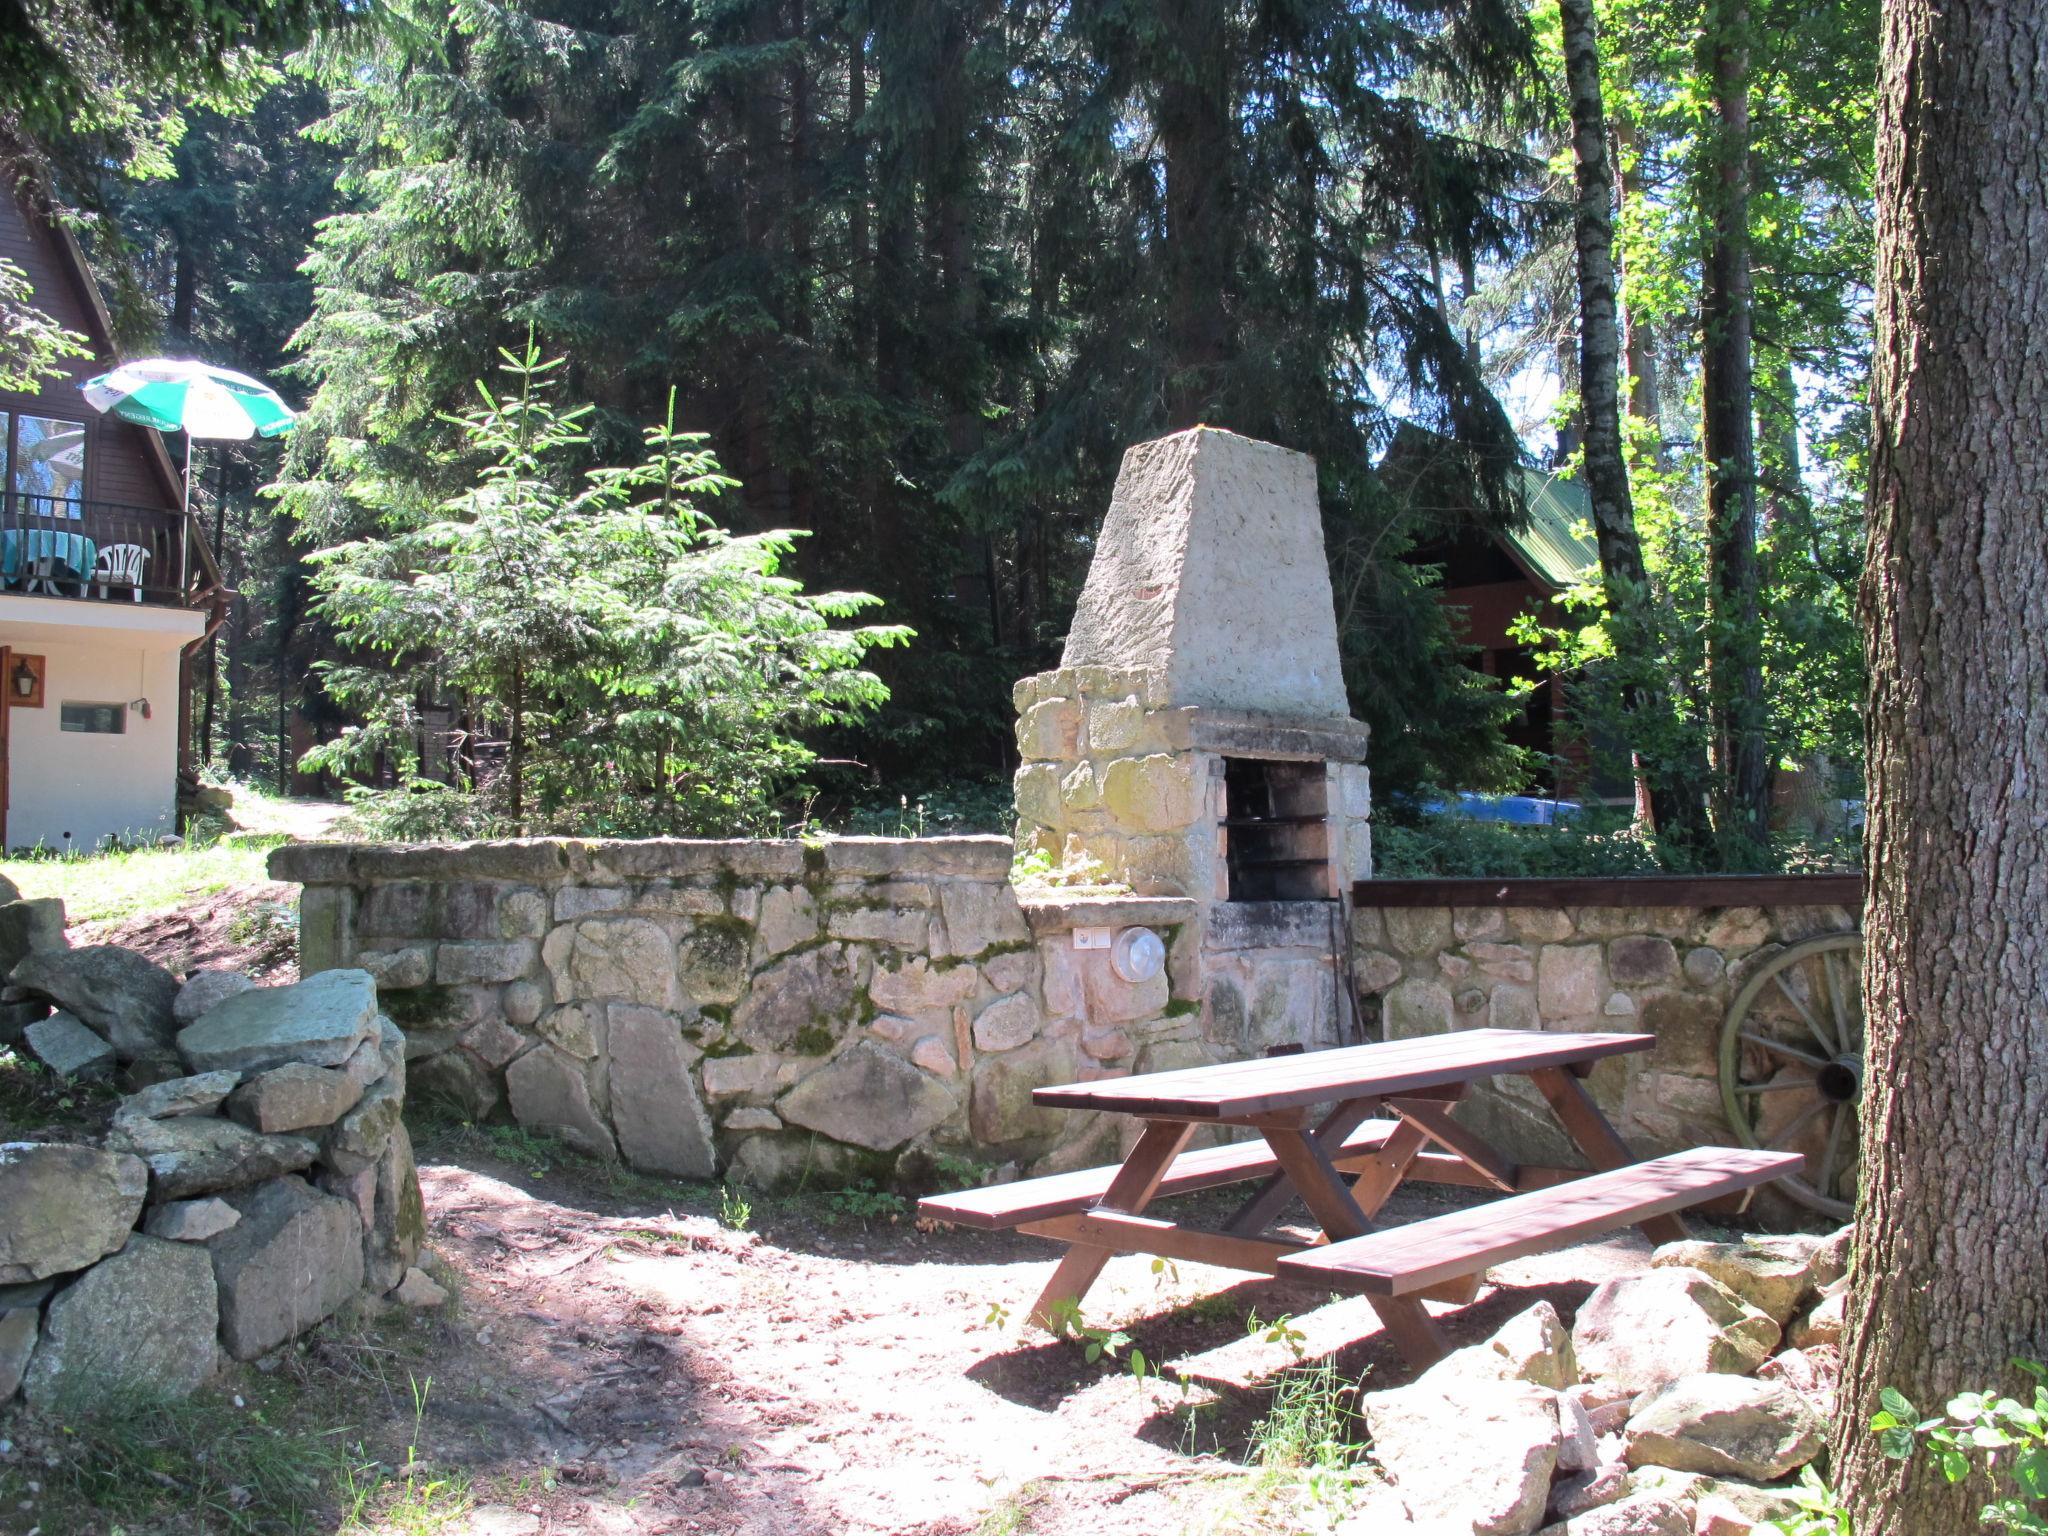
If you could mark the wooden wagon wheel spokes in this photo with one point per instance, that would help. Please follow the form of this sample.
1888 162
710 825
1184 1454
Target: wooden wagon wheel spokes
1791 1065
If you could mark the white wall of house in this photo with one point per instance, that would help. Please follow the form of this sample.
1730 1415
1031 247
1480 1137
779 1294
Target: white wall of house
73 789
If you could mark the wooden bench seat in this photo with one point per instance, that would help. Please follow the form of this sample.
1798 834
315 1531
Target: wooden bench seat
1404 1260
1002 1206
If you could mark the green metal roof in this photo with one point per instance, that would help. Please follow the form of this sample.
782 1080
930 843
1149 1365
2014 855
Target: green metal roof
1550 543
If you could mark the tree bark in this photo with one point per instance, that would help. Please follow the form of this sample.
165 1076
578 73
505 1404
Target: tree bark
1734 634
1638 335
1674 789
1196 128
1952 1226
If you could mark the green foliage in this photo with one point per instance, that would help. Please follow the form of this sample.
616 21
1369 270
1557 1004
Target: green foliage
647 671
1986 1434
1599 841
735 1210
861 1201
32 345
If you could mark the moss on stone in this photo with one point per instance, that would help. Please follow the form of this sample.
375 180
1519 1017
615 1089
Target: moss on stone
814 1039
727 1046
418 1007
1180 1008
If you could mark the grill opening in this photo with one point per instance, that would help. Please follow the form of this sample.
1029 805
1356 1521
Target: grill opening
1276 836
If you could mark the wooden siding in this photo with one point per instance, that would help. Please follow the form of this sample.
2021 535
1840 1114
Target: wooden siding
121 460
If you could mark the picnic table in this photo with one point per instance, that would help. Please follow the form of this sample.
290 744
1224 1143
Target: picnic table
1343 1129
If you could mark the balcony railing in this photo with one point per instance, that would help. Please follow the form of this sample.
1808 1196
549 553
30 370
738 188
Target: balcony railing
101 551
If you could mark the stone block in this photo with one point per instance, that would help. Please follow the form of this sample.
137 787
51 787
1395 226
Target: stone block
1688 1030
1081 789
1570 981
578 1029
1704 966
579 901
397 1225
141 1322
1503 962
1116 725
467 909
288 1264
175 1096
806 999
1772 1275
409 965
1474 1453
869 1097
359 1138
713 963
976 917
191 1221
1539 925
1155 793
1478 924
471 962
1642 960
1416 931
18 1329
294 1097
1644 1330
1000 1107
655 1109
120 996
750 1117
1725 1426
401 909
550 1093
1416 1007
202 990
523 914
789 917
327 928
909 929
522 1003
493 1042
1050 730
1374 971
1014 971
630 959
1728 928
731 1077
319 1021
196 1154
1006 1023
69 1049
65 1207
28 926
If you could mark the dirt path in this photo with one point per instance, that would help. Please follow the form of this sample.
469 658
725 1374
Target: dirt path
671 1375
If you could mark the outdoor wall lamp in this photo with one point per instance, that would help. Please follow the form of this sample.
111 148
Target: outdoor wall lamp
140 706
24 680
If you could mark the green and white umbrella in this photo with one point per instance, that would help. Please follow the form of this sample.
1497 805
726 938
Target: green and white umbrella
174 395
179 395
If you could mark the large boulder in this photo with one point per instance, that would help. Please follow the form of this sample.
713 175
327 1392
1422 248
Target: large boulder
1643 1330
68 1048
1644 1514
1725 1426
550 1092
28 927
814 991
196 1154
656 1109
205 991
294 1097
1472 1451
289 1263
1772 1274
142 1321
119 995
319 1021
64 1207
870 1097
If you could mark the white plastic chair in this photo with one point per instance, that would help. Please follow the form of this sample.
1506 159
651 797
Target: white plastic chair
120 565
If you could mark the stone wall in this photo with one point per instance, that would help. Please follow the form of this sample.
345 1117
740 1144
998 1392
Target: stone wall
260 1180
1670 971
764 1010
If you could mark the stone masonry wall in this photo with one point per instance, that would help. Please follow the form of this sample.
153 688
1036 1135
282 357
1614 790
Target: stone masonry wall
764 1010
1667 971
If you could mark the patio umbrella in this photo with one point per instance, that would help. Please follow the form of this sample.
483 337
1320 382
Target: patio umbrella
179 395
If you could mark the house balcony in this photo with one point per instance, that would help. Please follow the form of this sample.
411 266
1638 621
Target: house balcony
99 551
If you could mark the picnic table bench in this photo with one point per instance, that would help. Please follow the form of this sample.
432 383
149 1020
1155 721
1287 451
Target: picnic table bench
1387 1120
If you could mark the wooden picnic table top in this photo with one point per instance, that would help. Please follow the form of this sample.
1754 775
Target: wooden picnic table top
1235 1089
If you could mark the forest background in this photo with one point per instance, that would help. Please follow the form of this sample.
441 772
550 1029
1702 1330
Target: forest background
919 272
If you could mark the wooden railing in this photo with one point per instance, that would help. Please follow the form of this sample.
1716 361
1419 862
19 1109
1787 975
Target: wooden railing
86 550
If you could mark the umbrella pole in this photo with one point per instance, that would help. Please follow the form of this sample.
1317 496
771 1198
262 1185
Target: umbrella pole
185 526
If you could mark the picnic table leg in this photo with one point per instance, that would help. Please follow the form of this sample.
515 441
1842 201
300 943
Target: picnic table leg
1129 1192
1601 1143
1322 1189
1273 1193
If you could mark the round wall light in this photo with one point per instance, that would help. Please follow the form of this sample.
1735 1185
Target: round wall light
1137 954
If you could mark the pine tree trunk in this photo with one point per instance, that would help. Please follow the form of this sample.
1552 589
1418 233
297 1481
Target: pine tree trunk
1952 1228
1638 336
1196 128
1734 635
1674 788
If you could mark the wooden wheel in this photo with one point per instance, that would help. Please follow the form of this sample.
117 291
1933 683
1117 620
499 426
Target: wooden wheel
1792 1065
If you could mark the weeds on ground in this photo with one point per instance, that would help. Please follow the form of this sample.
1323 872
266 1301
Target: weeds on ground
412 1503
1012 1517
863 1202
35 1100
734 1209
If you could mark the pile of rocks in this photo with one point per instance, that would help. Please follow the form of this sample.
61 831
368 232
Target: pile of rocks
258 1178
1682 1402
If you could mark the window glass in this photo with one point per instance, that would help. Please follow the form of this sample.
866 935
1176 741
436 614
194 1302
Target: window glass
94 719
48 471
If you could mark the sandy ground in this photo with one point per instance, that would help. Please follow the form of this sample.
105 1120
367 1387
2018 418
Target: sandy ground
677 1376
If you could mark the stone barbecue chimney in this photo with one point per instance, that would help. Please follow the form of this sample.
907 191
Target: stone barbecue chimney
1196 741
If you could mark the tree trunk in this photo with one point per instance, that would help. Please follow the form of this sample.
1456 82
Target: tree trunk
1197 123
1674 786
1638 335
1734 623
1952 1226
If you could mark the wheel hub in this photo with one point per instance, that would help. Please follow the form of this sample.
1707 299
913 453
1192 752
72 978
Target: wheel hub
1841 1080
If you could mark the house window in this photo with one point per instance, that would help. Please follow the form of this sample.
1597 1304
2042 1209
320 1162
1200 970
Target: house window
94 719
45 464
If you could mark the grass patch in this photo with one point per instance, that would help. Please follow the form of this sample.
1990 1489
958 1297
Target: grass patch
107 887
35 1100
1012 1517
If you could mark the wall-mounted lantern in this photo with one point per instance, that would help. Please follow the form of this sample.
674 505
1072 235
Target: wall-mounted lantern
25 682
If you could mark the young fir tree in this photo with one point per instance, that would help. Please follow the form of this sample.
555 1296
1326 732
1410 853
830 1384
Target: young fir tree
644 670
